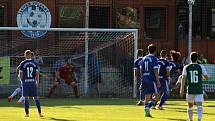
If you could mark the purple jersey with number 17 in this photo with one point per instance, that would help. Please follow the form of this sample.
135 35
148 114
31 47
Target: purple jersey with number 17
163 66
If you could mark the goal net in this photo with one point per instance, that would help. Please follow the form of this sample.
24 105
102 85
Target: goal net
103 59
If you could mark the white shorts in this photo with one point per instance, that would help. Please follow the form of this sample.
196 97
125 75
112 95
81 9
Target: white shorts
195 98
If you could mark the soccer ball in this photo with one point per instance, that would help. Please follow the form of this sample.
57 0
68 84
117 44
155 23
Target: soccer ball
34 18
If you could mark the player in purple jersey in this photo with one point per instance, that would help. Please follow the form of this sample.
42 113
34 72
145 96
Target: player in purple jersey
29 74
137 75
149 77
174 67
164 77
19 89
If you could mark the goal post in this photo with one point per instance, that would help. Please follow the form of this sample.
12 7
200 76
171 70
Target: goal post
114 49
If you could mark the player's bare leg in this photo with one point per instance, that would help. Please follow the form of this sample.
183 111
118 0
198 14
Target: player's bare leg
16 91
147 108
154 101
51 91
75 89
141 101
97 89
21 100
190 111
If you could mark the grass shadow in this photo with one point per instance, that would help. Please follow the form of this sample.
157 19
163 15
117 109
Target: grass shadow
59 119
174 119
51 102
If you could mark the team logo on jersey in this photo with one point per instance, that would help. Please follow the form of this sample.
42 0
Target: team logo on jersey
34 14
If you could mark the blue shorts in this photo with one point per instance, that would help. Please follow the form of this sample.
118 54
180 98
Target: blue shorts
164 85
148 85
30 91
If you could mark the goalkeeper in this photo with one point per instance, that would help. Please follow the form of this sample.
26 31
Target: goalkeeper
66 73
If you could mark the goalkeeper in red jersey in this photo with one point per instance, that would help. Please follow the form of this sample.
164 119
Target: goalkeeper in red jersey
65 72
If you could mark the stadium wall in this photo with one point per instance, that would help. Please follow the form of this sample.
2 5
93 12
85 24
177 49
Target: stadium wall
175 12
167 41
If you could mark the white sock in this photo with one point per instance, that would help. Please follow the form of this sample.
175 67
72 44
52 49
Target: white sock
199 111
21 99
18 90
190 113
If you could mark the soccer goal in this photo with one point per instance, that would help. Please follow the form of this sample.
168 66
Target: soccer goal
103 58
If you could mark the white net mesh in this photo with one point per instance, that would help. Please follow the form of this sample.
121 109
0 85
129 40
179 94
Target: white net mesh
110 60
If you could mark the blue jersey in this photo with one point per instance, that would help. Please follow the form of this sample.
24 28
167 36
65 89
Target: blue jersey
163 66
147 66
174 66
136 63
29 68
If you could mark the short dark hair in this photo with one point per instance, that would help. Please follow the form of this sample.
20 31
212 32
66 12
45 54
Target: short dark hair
172 52
163 53
175 55
139 52
193 56
151 48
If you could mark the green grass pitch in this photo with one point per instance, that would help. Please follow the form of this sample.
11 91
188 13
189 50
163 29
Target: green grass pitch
69 109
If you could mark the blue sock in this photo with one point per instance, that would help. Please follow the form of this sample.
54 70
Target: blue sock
163 99
26 105
142 95
38 106
151 103
147 105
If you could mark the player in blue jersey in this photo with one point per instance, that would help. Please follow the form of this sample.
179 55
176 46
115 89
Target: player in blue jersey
19 89
164 77
174 67
149 77
29 74
137 74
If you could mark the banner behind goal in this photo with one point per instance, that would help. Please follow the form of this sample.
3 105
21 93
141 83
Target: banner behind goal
103 57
